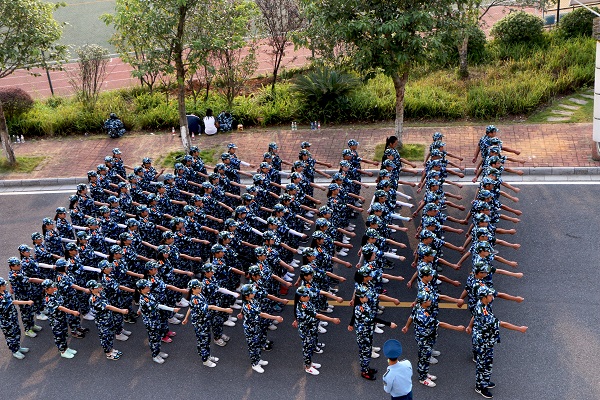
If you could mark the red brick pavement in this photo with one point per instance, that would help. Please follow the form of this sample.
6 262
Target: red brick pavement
555 145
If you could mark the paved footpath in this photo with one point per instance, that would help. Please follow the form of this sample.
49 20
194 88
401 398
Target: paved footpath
546 148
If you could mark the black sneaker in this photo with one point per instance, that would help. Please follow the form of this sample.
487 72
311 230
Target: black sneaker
83 330
78 334
368 376
372 371
129 320
491 385
268 347
484 392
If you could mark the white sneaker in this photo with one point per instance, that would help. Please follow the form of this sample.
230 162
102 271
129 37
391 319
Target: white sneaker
36 328
373 354
24 350
258 368
323 323
427 382
346 241
272 327
18 355
309 214
225 337
352 225
375 348
163 355
89 316
158 360
66 354
238 301
179 316
229 323
378 330
315 365
346 238
209 363
318 351
41 317
70 350
385 280
379 325
213 359
394 250
312 371
126 332
433 360
435 353
122 337
322 330
349 229
274 322
329 310
263 362
183 303
220 342
236 306
287 278
431 377
174 321
379 312
342 253
30 333
232 318
290 274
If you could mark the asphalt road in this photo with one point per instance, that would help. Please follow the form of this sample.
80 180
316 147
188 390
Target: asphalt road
555 359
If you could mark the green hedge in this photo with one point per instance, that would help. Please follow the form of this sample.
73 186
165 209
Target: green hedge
516 79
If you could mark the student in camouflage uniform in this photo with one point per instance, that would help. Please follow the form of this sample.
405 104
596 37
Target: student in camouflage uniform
199 314
426 324
252 315
104 319
21 288
485 330
9 321
150 310
363 322
56 314
307 322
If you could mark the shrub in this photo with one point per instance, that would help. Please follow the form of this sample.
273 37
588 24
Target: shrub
325 93
577 23
476 50
15 101
518 27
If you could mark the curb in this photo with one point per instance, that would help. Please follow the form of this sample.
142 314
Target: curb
7 183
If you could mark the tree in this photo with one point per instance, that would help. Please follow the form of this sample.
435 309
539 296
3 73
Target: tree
280 18
390 36
88 77
234 48
465 14
164 34
27 29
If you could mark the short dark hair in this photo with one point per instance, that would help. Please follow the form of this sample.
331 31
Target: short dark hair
209 112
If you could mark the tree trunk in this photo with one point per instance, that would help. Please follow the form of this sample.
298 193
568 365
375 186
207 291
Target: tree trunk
463 66
400 80
10 155
180 71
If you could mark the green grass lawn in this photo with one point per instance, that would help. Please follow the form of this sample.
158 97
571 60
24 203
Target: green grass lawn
207 155
24 164
584 114
409 151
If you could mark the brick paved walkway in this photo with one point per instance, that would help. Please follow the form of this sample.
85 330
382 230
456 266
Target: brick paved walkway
552 145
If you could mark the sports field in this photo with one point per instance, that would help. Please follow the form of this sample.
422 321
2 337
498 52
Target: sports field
83 24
